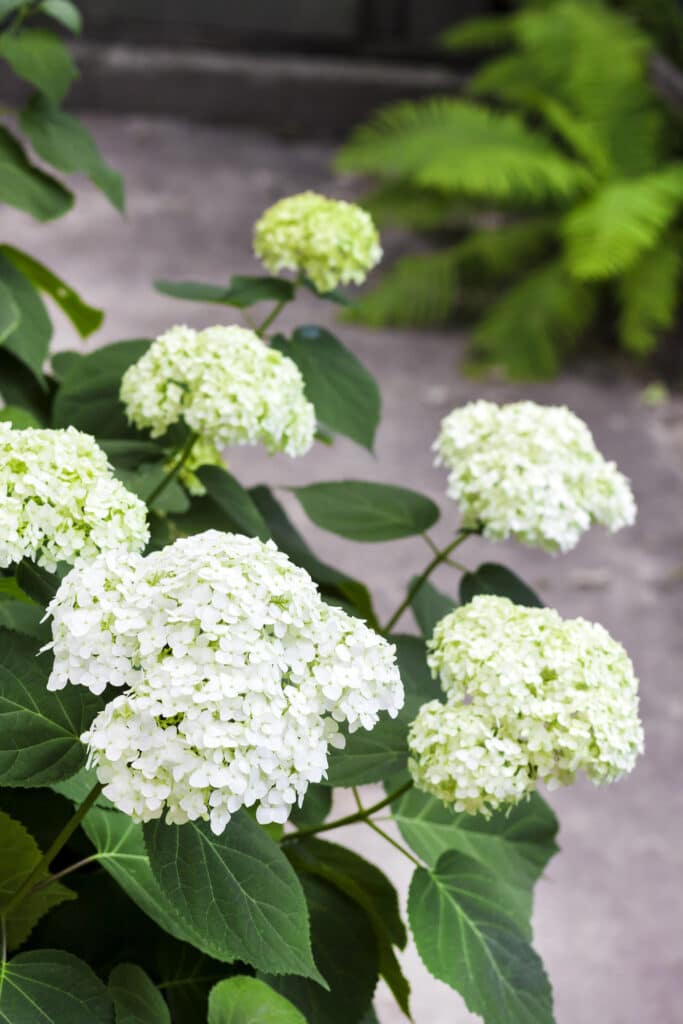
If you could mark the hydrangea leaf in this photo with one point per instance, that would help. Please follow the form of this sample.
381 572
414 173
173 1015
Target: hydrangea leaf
515 843
30 339
315 808
374 755
9 312
345 949
478 947
88 395
334 585
364 511
245 1000
491 578
40 58
187 975
39 731
429 605
65 12
19 855
345 395
242 291
225 506
25 186
61 985
85 318
257 916
136 999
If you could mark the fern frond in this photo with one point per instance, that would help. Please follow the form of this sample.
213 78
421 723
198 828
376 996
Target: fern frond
465 150
419 290
649 297
403 204
504 252
536 322
479 33
605 235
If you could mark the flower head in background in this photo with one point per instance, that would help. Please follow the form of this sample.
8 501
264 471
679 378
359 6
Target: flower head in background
331 241
531 472
530 698
225 385
59 499
237 675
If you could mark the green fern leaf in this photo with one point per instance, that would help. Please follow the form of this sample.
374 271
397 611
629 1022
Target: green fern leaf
648 294
607 234
419 290
536 322
479 33
400 203
496 254
463 149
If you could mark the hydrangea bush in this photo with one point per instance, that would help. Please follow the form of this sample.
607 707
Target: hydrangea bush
184 684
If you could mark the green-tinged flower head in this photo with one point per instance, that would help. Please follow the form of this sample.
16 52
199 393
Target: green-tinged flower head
331 241
60 500
530 697
225 385
531 472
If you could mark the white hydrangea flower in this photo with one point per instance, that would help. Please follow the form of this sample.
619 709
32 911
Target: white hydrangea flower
531 472
238 677
331 241
225 384
530 697
59 499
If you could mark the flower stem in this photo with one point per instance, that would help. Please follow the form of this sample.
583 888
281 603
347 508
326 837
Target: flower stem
180 460
54 848
66 871
438 558
272 316
362 814
397 846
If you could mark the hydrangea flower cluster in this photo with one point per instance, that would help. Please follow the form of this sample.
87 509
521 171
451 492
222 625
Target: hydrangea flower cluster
331 241
237 675
59 499
225 384
530 697
531 472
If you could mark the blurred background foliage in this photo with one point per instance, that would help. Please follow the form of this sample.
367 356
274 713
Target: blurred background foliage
548 201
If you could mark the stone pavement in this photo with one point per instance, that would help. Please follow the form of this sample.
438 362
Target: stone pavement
608 914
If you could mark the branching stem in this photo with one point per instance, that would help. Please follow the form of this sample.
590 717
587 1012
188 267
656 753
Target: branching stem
178 463
362 814
439 557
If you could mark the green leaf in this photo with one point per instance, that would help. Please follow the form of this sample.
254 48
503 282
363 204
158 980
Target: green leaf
146 477
649 296
417 290
85 318
7 6
19 387
225 506
315 808
65 990
39 731
479 33
478 948
429 606
336 295
24 186
609 232
18 417
9 312
40 585
21 617
364 511
381 752
244 1000
515 844
39 57
129 453
65 143
19 855
491 578
30 339
65 12
242 292
334 585
237 891
345 395
536 322
465 149
136 999
345 949
88 396
121 851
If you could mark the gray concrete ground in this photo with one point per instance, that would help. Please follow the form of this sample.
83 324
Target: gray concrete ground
608 913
